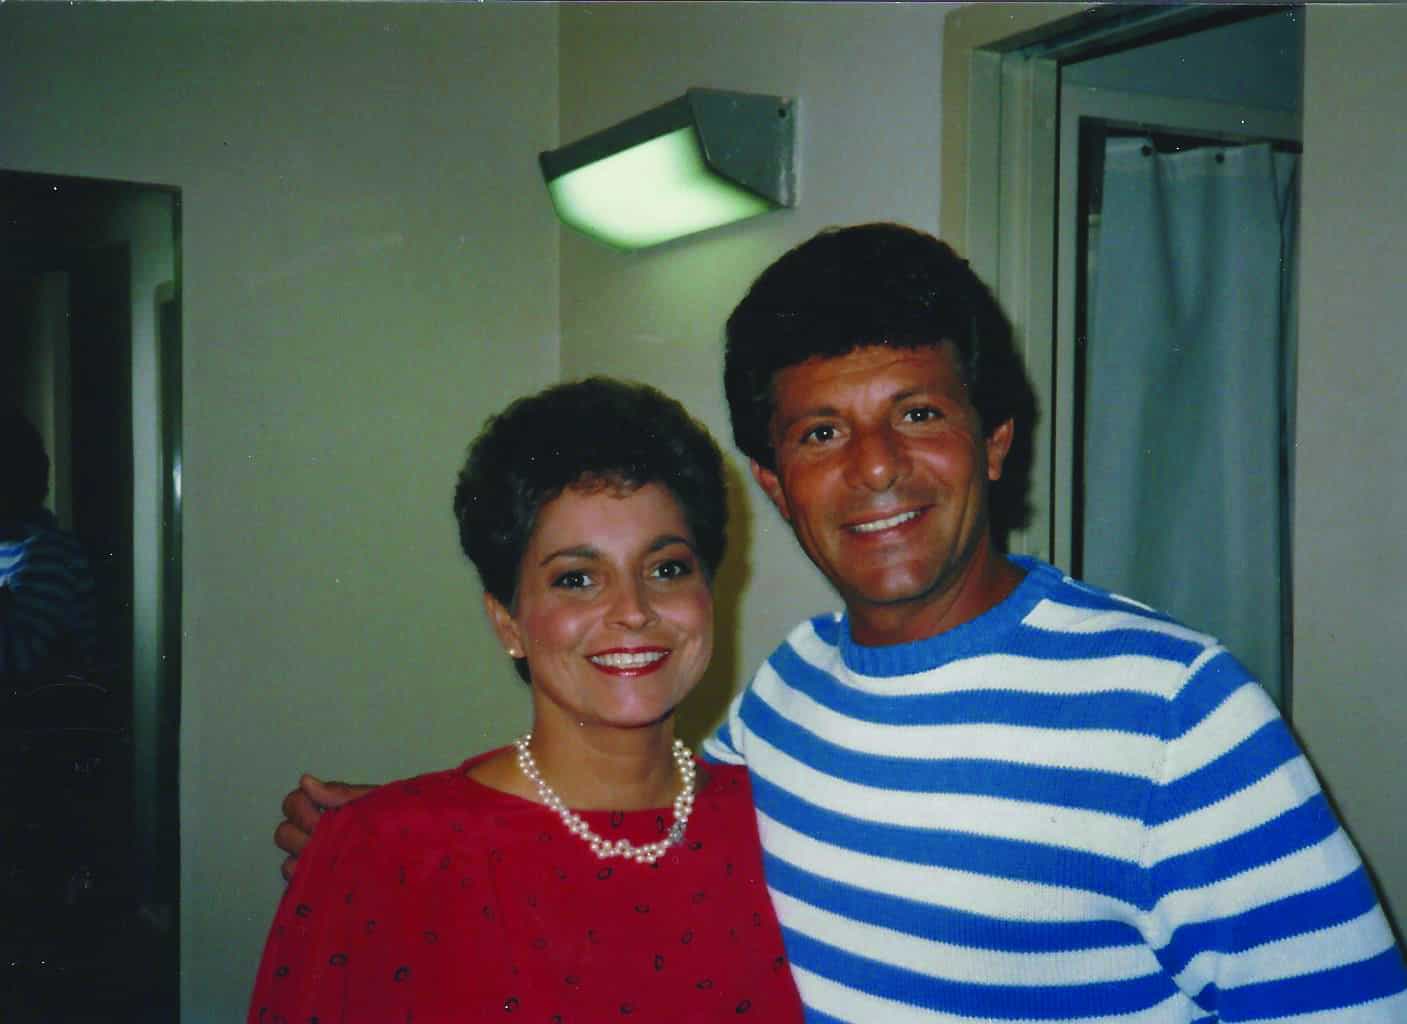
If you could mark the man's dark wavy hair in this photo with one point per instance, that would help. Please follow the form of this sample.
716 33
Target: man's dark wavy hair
879 284
24 478
597 432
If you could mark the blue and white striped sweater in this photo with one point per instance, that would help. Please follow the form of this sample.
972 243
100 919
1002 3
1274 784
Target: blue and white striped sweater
49 596
1068 809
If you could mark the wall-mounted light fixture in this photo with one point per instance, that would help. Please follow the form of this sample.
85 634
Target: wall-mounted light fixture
707 158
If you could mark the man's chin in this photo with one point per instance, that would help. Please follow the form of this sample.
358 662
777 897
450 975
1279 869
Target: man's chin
893 593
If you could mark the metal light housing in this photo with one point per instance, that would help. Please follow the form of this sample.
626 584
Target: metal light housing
707 158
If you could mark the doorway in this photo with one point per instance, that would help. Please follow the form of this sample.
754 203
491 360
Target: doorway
89 273
1178 84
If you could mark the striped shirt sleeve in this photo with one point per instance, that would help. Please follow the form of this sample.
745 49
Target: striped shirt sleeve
1259 906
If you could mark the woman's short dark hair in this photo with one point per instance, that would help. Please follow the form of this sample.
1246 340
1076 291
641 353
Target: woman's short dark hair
872 284
594 432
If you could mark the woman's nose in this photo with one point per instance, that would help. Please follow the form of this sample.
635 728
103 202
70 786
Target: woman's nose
632 607
877 459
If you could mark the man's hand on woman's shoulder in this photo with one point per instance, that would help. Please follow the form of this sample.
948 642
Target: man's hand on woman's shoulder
303 807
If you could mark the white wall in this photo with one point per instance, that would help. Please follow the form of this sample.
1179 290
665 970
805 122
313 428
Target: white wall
867 78
370 268
1350 702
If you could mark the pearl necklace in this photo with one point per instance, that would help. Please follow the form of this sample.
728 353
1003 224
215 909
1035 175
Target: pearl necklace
603 848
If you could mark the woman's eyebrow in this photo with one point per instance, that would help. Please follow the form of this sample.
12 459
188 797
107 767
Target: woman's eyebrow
586 551
574 551
665 540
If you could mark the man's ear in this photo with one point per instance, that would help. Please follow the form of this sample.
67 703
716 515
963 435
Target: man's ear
504 627
998 445
771 486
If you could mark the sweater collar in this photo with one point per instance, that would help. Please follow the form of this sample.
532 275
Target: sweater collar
974 636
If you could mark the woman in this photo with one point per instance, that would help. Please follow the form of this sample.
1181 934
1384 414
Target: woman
591 870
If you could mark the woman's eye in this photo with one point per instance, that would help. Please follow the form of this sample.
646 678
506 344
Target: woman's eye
574 580
673 569
819 435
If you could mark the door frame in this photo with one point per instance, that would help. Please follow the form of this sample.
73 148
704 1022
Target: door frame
1001 173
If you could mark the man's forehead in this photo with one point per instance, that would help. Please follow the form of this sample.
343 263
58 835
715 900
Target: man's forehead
866 356
881 373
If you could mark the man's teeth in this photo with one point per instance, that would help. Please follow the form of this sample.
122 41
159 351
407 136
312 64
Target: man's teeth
627 660
884 524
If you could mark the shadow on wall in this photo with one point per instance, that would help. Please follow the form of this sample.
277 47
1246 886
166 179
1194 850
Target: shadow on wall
708 704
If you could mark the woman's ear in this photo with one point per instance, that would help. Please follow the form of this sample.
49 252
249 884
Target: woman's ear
504 627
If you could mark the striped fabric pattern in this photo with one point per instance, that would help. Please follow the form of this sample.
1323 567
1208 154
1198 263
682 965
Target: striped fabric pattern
1069 809
48 598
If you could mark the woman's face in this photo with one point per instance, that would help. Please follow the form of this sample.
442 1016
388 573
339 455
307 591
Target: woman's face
613 610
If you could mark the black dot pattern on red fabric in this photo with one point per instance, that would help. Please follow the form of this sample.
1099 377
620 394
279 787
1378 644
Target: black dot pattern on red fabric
452 901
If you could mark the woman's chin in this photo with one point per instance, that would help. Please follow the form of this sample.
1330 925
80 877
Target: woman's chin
635 718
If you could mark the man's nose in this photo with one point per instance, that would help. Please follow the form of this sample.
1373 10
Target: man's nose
878 459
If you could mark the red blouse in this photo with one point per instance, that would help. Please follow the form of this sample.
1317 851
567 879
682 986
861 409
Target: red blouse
439 899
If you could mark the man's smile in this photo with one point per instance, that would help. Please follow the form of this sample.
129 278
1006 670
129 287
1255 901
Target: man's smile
875 525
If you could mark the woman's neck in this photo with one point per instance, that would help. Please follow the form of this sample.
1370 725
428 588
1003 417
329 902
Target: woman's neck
593 767
598 768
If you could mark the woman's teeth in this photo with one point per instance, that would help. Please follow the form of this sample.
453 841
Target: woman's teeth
627 660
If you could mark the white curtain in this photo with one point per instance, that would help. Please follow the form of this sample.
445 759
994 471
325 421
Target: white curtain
1187 390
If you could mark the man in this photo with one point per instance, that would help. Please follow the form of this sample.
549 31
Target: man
48 611
986 791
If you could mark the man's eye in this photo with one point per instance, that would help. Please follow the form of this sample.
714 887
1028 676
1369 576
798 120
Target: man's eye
672 569
819 435
922 414
574 580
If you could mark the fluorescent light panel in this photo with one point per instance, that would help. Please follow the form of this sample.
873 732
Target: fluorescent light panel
706 159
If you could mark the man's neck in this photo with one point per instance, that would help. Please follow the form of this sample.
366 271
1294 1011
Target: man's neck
985 581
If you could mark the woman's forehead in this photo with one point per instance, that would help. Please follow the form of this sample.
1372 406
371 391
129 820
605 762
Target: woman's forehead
609 516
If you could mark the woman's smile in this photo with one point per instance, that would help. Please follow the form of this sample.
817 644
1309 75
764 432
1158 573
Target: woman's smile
630 661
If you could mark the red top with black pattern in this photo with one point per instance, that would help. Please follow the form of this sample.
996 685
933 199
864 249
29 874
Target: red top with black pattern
438 899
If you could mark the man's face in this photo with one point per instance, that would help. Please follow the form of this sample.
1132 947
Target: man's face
882 471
